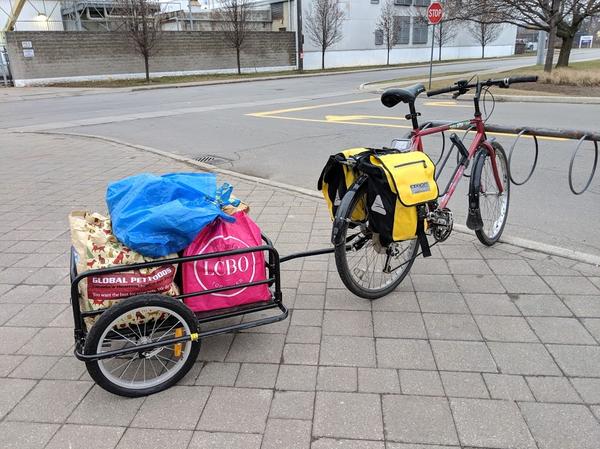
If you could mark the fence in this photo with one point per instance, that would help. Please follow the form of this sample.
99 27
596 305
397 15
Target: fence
5 78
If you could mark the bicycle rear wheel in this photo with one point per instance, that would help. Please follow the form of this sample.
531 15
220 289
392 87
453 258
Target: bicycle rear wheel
361 260
492 204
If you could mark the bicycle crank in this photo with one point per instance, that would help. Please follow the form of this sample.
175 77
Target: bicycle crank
441 223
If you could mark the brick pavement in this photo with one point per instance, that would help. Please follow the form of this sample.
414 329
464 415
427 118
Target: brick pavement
480 347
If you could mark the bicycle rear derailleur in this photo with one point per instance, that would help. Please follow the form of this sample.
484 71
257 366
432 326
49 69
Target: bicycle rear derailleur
440 223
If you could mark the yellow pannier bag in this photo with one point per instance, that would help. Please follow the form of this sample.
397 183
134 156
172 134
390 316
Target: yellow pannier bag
399 185
337 177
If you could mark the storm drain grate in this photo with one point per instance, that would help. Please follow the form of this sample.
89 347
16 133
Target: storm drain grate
211 159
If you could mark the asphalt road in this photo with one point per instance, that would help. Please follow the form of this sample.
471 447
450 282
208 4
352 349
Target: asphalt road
285 129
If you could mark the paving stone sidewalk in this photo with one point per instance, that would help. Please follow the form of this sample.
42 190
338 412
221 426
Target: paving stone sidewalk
480 347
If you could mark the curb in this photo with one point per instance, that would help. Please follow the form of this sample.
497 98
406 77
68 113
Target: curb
513 241
380 86
307 75
534 99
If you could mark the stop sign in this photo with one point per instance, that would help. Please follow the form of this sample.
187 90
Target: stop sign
435 13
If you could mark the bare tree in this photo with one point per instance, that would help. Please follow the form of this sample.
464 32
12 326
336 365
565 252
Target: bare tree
484 33
234 21
444 33
140 23
567 28
385 26
552 16
324 24
447 29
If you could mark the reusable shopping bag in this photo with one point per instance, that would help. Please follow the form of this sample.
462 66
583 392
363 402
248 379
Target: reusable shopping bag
159 215
225 271
96 247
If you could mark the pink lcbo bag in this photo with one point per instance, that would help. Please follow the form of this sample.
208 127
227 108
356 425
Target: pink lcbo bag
218 272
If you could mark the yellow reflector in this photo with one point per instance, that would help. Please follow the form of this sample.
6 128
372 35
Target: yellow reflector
177 348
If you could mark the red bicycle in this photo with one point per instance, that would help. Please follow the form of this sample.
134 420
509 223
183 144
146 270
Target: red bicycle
370 270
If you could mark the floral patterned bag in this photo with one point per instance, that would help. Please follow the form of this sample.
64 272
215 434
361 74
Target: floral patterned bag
96 247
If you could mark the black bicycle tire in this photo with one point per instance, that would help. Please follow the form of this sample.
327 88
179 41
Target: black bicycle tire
594 167
341 262
91 342
477 169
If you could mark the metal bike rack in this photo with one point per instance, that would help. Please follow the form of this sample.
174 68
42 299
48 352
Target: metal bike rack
572 134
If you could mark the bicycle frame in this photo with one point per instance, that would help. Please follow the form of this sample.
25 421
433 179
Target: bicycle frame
479 141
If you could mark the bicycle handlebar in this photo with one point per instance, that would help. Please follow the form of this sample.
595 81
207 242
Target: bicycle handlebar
522 79
462 86
444 90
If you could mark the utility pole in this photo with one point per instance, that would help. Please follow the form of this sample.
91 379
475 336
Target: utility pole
541 46
299 36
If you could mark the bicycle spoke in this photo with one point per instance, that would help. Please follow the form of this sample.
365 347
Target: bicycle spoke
124 337
135 374
127 367
120 366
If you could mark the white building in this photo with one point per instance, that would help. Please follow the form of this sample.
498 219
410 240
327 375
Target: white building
35 15
361 46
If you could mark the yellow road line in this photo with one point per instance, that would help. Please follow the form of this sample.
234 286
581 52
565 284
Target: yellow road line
353 119
447 104
307 108
389 125
337 118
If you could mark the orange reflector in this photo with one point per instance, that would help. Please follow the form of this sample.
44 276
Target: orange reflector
177 347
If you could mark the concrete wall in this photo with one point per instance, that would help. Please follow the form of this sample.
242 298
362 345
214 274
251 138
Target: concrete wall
73 56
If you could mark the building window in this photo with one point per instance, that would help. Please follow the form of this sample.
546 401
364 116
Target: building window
401 29
420 31
403 2
277 11
378 37
375 2
422 2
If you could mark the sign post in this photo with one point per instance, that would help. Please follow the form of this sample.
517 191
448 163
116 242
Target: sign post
299 36
435 13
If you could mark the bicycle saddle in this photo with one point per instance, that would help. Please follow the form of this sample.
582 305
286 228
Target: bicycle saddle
391 97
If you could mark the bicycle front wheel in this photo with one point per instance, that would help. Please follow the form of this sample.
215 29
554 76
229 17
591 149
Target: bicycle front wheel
493 204
366 268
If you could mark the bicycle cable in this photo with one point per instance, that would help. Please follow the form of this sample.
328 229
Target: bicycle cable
486 92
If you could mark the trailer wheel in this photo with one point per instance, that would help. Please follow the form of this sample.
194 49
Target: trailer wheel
142 320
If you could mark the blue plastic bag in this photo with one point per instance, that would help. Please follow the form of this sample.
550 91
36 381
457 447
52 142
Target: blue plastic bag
160 215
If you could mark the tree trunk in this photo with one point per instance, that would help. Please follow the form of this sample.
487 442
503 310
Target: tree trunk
565 51
237 54
440 39
550 51
482 37
147 67
551 36
388 56
323 59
